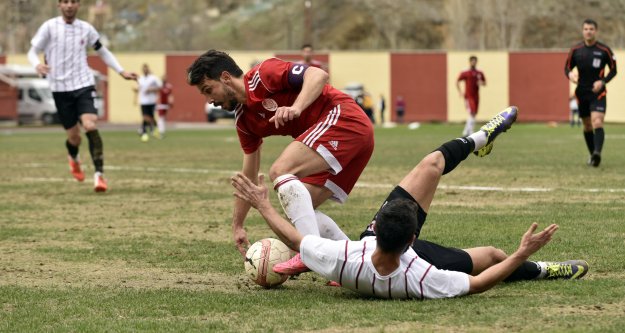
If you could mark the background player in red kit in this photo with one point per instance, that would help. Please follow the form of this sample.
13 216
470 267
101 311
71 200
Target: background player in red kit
333 137
307 58
473 79
165 103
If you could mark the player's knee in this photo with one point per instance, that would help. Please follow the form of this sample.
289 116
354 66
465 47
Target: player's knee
278 169
74 139
497 255
433 162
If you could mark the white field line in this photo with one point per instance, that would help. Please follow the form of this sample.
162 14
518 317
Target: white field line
358 184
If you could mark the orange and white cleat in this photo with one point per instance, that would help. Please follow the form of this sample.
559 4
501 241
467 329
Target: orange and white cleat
74 168
99 183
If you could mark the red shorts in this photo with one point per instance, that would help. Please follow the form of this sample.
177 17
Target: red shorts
162 109
344 138
471 103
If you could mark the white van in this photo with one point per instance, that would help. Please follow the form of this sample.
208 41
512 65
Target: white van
35 102
34 97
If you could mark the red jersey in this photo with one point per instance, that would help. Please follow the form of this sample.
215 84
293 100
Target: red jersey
164 93
471 77
274 83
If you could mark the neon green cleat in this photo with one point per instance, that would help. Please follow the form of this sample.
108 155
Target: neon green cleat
499 124
572 269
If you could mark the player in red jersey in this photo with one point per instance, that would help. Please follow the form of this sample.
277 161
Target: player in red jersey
333 137
165 103
307 58
473 79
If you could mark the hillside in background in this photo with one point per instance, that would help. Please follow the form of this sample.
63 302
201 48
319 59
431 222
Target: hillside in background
169 25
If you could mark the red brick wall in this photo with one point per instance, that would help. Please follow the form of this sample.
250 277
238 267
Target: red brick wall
421 78
188 102
538 85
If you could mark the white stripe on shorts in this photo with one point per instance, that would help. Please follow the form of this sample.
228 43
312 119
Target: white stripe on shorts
321 128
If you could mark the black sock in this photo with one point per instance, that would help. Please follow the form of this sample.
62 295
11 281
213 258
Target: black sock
144 126
456 151
97 150
528 270
71 149
599 137
590 141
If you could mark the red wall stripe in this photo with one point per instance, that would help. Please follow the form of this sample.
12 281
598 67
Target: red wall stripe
538 85
421 78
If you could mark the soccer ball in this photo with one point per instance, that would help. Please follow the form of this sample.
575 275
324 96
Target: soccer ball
260 259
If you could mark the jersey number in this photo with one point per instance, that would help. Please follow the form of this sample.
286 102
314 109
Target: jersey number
596 62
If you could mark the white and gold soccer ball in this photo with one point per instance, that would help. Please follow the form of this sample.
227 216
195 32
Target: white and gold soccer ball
260 259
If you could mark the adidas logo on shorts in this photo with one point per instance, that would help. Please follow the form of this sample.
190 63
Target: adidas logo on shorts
334 144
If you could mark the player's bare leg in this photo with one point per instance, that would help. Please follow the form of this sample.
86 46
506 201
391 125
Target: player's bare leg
422 181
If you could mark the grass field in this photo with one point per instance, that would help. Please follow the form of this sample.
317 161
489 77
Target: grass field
155 252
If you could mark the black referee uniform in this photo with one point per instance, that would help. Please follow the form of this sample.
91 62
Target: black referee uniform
591 62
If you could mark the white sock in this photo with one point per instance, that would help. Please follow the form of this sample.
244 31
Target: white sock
161 124
479 138
470 124
328 228
543 269
297 204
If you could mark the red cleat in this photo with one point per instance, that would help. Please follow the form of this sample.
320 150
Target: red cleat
99 183
74 168
292 266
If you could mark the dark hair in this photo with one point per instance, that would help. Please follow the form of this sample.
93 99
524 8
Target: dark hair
306 45
472 58
592 22
210 65
395 225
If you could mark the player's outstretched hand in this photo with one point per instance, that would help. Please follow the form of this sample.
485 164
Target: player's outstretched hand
284 114
255 195
129 75
530 243
42 69
241 241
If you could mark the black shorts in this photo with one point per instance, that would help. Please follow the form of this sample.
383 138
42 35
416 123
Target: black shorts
441 257
589 101
72 104
148 109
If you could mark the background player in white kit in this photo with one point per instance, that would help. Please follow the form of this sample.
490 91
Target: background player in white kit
63 40
385 264
148 88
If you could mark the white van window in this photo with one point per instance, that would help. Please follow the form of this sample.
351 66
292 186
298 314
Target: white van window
32 93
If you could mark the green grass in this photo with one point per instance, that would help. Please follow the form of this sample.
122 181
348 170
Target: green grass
155 253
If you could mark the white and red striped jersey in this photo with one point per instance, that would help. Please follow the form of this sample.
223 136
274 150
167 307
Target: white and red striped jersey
274 83
349 263
65 47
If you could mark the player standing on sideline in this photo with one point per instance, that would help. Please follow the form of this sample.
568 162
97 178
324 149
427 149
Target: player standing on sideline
590 57
333 137
473 79
389 261
148 88
165 103
307 58
63 40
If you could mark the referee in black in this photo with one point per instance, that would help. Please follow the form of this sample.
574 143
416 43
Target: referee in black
591 57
